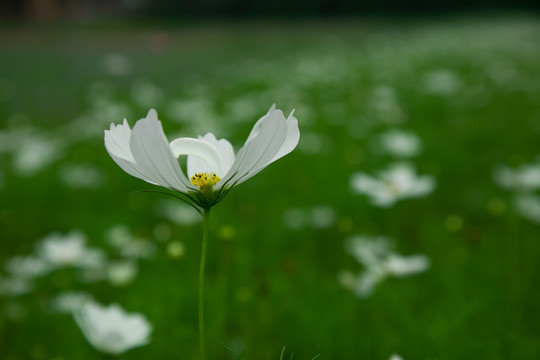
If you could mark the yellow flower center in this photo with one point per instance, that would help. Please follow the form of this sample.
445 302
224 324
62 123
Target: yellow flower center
202 179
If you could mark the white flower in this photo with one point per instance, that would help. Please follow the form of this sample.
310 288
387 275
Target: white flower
70 301
380 262
402 266
121 273
35 153
395 357
442 82
212 167
110 329
526 177
401 143
323 216
128 245
399 181
319 217
178 213
27 267
528 205
69 250
119 236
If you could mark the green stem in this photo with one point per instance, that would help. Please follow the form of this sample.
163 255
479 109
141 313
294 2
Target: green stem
206 220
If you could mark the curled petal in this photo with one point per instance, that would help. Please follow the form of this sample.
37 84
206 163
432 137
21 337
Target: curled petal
153 155
117 143
293 136
208 158
272 137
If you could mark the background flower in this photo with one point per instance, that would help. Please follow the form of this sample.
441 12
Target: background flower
110 329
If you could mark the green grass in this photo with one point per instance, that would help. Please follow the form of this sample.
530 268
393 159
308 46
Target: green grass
269 286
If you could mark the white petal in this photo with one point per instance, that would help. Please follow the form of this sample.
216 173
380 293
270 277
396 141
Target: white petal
117 141
208 156
262 145
153 155
225 149
293 136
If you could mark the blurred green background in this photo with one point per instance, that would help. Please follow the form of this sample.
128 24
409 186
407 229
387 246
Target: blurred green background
466 85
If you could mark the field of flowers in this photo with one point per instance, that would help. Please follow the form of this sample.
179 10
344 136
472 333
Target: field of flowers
405 222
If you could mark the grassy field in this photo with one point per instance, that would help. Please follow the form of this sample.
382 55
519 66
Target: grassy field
467 88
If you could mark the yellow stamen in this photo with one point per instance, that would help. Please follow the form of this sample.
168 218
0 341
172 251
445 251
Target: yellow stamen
202 179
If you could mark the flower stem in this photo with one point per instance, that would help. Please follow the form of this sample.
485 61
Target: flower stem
206 220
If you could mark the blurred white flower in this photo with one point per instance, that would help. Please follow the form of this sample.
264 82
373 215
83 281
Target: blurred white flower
79 176
401 143
319 217
397 182
528 206
403 266
442 82
380 262
212 167
121 273
116 65
34 153
69 302
138 249
69 250
110 329
323 216
121 238
525 178
395 357
27 267
94 274
181 214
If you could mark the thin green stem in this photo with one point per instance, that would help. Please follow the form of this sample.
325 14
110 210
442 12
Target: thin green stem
206 220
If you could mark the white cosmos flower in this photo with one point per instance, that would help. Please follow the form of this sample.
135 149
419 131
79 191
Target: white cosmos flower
401 143
70 301
528 206
212 166
110 329
27 267
70 249
397 182
380 262
524 178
